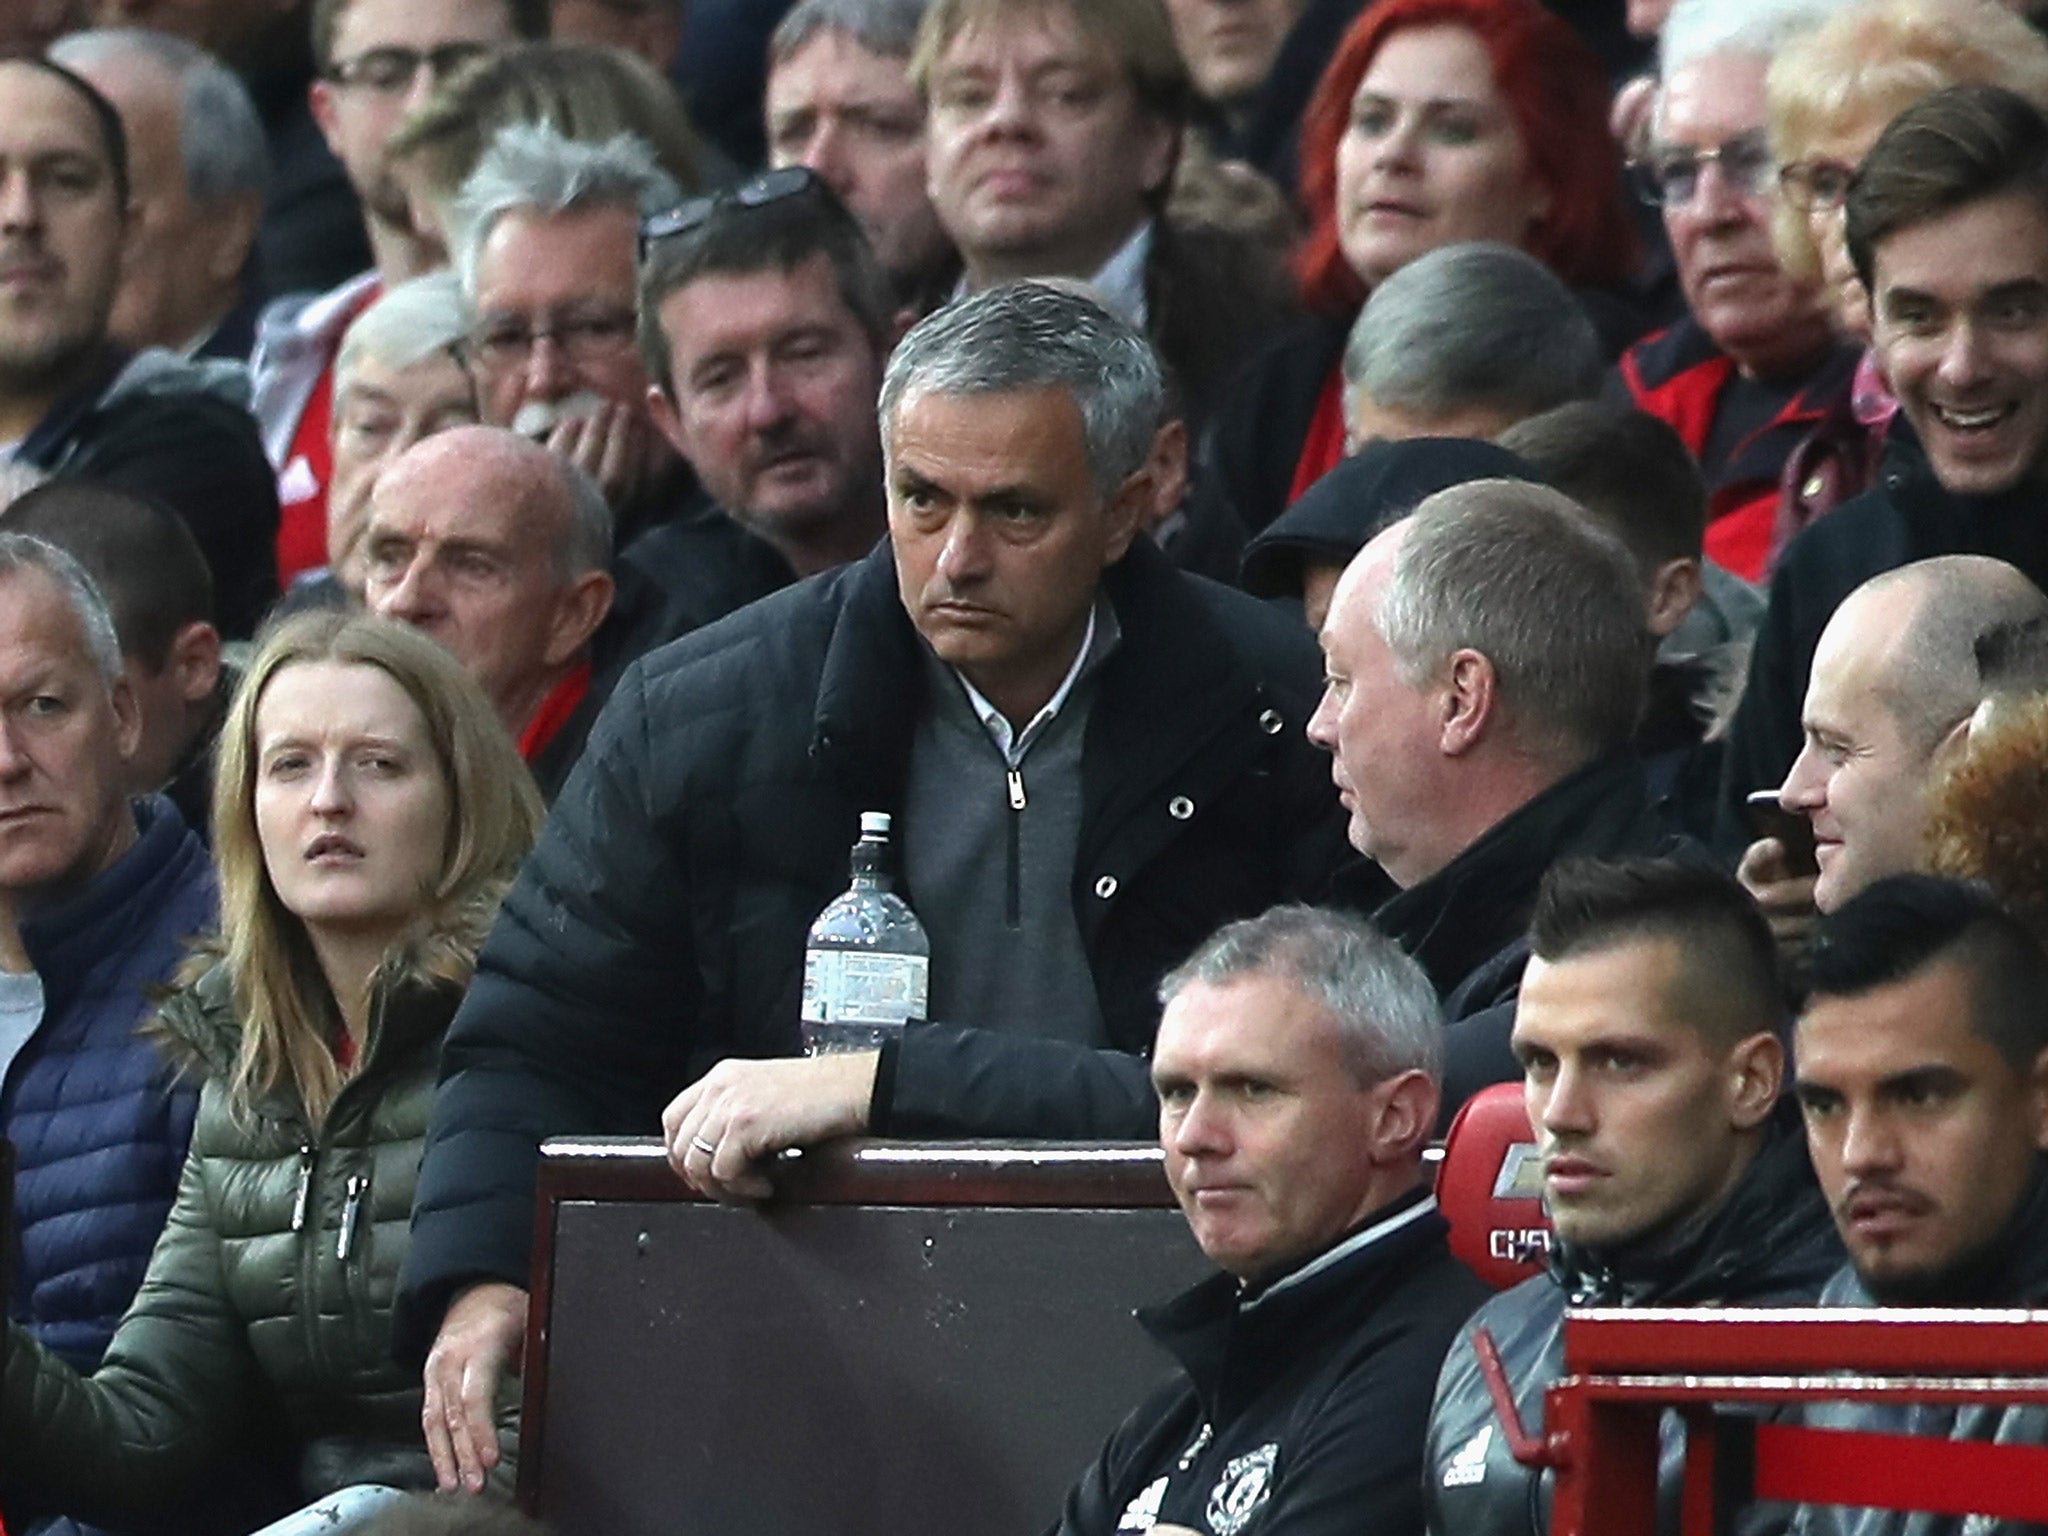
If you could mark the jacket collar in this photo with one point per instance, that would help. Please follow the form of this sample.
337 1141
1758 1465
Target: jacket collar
1479 903
2009 525
1233 1342
1171 681
65 416
1772 1235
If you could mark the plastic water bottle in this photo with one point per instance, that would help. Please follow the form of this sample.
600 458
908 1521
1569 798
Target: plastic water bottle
867 962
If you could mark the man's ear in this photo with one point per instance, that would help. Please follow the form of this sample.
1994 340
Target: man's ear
1407 1115
127 718
194 660
1756 1071
2037 1098
668 421
1168 464
232 234
1128 511
320 101
579 609
1471 701
1674 589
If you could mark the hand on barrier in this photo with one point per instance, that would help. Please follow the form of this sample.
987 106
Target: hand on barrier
483 1336
723 1129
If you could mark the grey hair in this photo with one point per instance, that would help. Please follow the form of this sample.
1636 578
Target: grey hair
220 134
405 326
1960 598
532 165
1478 324
1521 574
1384 1007
587 544
1038 335
21 552
1699 29
886 28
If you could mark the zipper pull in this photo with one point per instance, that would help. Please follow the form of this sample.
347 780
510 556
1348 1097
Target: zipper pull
305 1189
1016 776
352 1208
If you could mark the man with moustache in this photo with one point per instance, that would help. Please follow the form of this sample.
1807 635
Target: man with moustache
1923 1077
1648 1029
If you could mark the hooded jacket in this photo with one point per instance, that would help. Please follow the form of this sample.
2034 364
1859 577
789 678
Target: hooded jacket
268 1299
1301 1406
659 925
98 1123
179 433
2013 1274
1771 1243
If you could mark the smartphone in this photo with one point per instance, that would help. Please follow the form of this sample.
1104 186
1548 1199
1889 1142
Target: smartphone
1767 818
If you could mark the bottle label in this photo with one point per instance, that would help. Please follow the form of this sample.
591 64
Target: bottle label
853 987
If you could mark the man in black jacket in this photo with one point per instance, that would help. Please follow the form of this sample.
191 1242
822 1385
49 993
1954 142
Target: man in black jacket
1297 1070
1923 1073
1648 1029
1093 759
1486 659
1948 227
74 405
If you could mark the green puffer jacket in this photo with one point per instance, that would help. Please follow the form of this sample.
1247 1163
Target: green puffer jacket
269 1292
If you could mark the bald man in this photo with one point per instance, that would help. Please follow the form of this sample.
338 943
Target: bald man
499 550
1894 679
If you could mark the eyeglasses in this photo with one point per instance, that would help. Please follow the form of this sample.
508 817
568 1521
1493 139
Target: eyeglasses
1670 178
502 343
1817 185
390 70
776 186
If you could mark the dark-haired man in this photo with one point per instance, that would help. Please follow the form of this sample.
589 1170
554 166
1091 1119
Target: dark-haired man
1923 1075
74 404
1648 1029
1948 228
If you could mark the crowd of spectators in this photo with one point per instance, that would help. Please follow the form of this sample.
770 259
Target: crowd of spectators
491 491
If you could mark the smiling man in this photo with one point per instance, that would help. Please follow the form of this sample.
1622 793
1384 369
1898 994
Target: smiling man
1093 761
1923 1074
1648 1030
1948 227
1296 1067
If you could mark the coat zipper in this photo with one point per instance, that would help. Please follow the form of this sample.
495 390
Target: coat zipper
1013 899
351 1213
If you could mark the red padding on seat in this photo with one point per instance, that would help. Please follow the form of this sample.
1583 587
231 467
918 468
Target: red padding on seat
1490 1188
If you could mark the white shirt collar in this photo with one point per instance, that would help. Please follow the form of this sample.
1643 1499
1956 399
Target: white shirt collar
1012 745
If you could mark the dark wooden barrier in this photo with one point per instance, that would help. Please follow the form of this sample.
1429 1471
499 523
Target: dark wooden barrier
912 1340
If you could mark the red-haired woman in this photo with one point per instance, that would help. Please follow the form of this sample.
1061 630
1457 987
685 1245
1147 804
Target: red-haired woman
1437 121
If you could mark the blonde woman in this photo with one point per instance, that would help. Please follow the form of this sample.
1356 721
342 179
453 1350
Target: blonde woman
368 813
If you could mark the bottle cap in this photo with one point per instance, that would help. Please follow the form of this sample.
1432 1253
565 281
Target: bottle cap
874 823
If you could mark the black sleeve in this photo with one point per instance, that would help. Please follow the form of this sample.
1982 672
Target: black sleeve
200 457
946 1080
576 1024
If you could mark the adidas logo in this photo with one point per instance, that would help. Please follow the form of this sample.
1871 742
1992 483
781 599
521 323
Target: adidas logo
1468 1467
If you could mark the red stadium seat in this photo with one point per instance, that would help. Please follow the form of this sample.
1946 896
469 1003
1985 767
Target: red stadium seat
1490 1187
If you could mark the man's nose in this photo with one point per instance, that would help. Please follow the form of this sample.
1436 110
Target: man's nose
825 154
964 555
1869 1144
1567 1102
1322 725
1805 787
20 207
1201 1129
1962 358
14 759
550 373
766 402
409 597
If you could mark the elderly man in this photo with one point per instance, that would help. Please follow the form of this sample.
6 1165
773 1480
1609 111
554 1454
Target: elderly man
1895 680
1054 132
548 238
1648 1032
98 900
840 101
376 61
499 550
74 404
1465 342
766 321
1948 227
1093 761
1755 363
1486 659
157 590
200 170
1923 1074
1336 1289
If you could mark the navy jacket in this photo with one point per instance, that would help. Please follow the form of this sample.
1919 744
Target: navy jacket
98 1128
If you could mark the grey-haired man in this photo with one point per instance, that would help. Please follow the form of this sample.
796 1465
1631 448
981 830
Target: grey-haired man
1093 759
